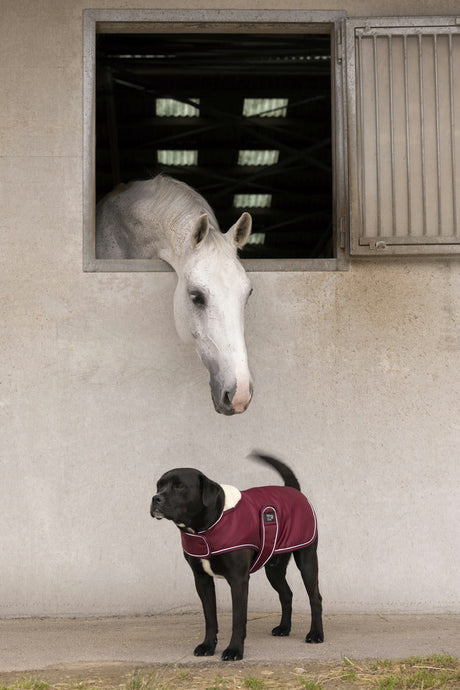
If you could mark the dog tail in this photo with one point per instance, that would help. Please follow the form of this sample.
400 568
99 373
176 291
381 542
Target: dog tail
287 474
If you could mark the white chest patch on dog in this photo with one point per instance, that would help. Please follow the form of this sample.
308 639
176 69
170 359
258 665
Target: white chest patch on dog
207 568
232 496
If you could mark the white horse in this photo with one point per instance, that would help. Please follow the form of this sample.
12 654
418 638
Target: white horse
164 218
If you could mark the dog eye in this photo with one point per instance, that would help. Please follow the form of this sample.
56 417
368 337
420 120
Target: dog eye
197 298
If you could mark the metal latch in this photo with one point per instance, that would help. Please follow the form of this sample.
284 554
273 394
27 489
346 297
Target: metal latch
380 245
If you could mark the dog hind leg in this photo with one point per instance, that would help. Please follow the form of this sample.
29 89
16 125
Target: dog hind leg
275 571
307 562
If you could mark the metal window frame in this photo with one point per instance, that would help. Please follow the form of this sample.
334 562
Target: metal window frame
364 243
213 21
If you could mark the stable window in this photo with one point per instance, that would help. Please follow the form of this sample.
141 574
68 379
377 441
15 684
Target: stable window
249 108
246 107
404 125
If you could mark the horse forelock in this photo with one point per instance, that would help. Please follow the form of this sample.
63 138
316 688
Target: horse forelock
215 262
216 244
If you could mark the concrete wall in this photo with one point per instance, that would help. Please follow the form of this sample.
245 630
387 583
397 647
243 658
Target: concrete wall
356 385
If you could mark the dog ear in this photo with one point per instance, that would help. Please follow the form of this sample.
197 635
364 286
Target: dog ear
209 491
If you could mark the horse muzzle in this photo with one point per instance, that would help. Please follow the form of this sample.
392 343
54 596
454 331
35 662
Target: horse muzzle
233 400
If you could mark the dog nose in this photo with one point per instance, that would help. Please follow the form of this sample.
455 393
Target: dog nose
155 504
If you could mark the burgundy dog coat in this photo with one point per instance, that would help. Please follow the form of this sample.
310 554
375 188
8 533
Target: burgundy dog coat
269 519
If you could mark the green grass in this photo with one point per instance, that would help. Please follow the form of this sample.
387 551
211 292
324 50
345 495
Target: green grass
26 684
139 681
415 673
220 684
254 683
309 684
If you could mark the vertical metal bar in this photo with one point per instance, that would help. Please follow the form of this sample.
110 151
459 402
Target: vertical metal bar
392 134
377 136
422 130
361 132
89 121
438 144
452 130
409 175
112 128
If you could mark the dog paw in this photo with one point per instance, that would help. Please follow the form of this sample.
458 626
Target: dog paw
204 650
281 631
314 637
230 654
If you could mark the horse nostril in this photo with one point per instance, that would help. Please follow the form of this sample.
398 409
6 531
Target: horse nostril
226 400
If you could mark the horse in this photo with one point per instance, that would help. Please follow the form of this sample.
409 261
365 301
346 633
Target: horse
165 218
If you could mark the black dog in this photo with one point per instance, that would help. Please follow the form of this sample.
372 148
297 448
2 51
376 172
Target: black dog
275 522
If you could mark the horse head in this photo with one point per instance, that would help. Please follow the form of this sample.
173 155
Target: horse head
166 218
209 302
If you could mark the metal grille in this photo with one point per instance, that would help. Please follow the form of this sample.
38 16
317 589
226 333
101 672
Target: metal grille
243 118
406 86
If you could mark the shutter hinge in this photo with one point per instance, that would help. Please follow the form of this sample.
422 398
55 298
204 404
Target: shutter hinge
339 45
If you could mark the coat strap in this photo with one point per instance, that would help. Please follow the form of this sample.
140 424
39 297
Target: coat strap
269 535
195 545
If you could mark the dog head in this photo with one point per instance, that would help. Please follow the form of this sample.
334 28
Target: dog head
188 498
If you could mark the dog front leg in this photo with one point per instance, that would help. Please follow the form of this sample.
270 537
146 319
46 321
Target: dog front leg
204 584
238 578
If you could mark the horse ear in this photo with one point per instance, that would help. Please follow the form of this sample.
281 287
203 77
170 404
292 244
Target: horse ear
240 231
200 230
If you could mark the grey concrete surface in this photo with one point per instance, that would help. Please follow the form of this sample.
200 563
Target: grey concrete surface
37 644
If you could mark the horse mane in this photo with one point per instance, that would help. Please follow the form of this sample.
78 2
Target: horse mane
180 196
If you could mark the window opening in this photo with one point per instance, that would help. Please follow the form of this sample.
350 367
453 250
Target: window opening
243 118
176 157
265 107
258 157
170 107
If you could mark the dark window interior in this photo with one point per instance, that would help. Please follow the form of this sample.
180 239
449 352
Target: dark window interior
244 119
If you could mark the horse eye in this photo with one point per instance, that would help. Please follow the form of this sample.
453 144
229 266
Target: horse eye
249 294
197 298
